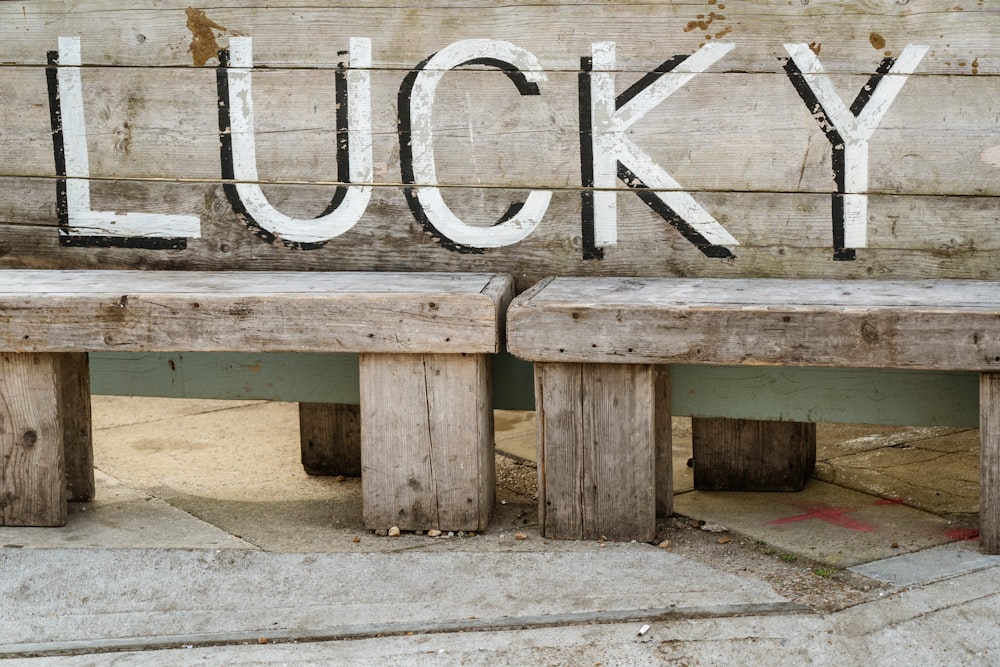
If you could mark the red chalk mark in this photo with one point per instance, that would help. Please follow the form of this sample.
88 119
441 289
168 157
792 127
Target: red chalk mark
960 534
890 501
832 515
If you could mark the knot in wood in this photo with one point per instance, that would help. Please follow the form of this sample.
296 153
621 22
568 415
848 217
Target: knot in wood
869 332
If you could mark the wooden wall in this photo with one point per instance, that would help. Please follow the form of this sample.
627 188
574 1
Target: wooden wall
737 140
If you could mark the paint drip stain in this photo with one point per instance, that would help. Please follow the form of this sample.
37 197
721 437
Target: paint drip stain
203 45
962 534
704 23
877 41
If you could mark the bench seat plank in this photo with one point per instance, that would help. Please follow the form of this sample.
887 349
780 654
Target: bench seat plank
219 311
423 341
931 325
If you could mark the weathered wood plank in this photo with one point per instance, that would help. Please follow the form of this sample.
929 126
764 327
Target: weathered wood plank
745 455
590 485
941 225
265 311
736 140
426 442
894 324
759 136
989 465
298 32
32 472
330 437
78 446
780 234
663 425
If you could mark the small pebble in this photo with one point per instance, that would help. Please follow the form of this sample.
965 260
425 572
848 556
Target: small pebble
357 539
433 532
665 544
381 532
714 528
394 531
895 545
725 539
520 536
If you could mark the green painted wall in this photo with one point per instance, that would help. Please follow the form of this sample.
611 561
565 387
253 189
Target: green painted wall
798 394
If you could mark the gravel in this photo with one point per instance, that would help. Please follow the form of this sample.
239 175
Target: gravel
801 580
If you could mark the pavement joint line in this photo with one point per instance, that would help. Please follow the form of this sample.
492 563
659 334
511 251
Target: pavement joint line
346 633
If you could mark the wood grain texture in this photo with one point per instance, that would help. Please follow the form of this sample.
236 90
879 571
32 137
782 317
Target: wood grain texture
757 137
878 324
780 235
263 311
663 424
747 455
736 136
330 437
989 463
426 441
78 445
32 472
298 32
598 451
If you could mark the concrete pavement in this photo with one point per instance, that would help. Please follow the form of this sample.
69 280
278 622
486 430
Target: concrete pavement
207 544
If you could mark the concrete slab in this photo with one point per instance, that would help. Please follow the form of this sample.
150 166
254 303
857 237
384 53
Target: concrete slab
935 472
81 597
122 515
826 523
246 451
196 474
951 622
835 440
929 565
515 434
110 411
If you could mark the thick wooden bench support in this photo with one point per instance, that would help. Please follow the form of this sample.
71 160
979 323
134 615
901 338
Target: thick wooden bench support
989 463
424 341
330 436
919 324
604 463
41 465
440 406
752 455
78 446
32 471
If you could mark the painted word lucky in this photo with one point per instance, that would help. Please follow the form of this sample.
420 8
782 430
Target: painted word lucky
607 154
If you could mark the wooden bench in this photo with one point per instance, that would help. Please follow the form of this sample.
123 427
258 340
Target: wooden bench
424 341
602 346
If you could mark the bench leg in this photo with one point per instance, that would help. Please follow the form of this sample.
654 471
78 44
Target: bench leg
330 436
989 463
32 473
78 442
751 455
427 441
604 462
